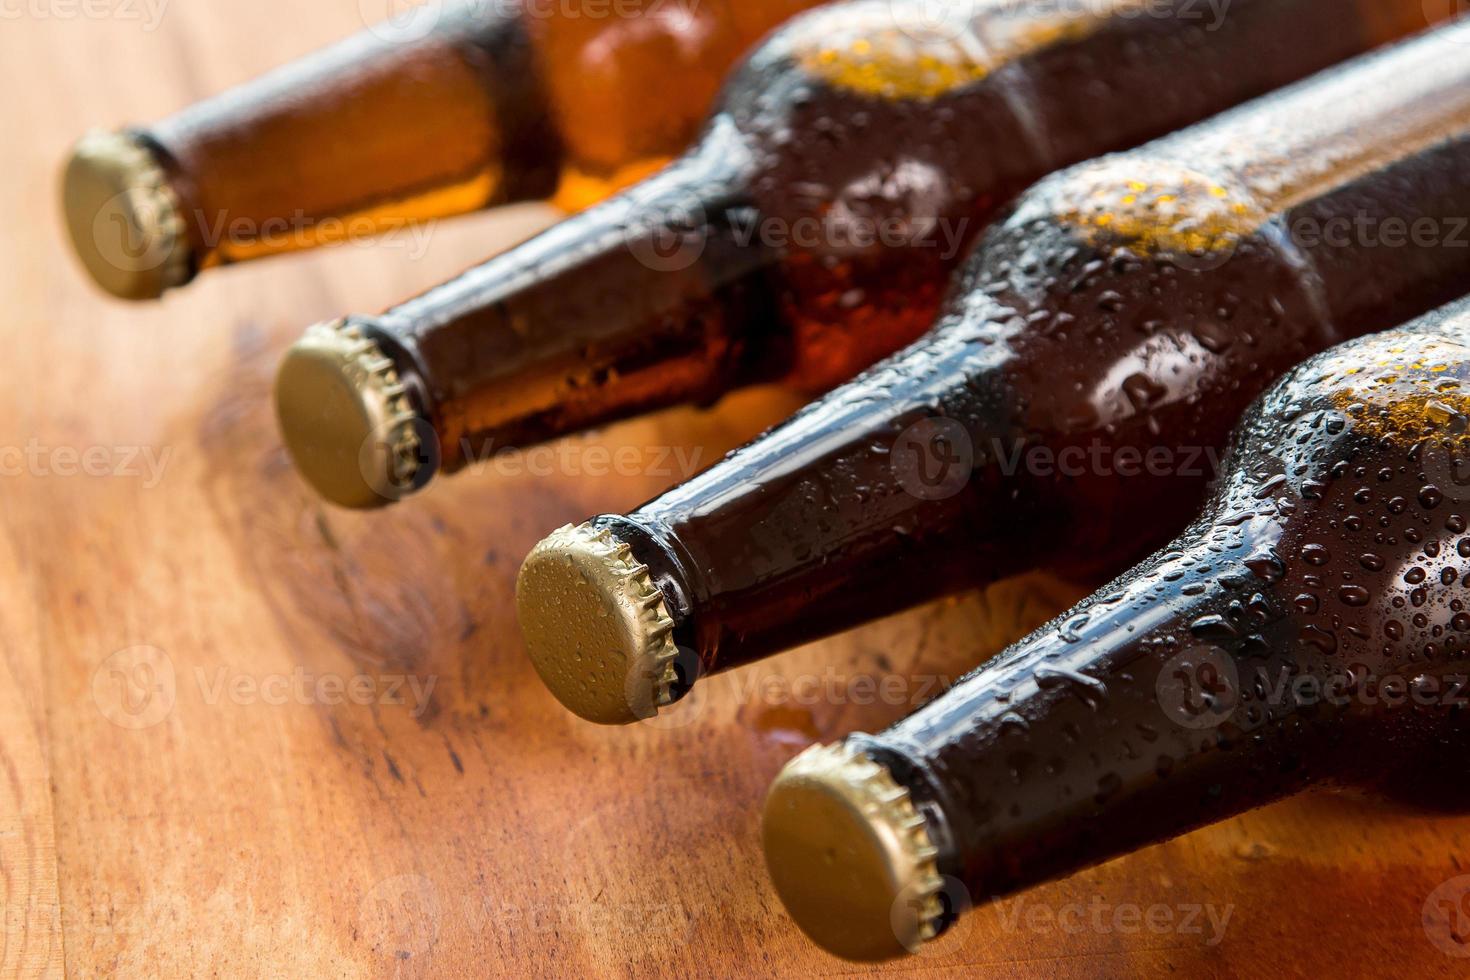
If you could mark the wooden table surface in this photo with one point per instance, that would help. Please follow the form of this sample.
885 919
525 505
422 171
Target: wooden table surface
243 733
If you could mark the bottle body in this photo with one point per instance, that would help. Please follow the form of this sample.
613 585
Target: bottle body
1309 628
518 101
1099 347
855 157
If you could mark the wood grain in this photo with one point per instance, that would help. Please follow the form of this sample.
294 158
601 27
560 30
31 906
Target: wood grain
189 788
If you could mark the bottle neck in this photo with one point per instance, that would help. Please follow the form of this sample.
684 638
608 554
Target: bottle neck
648 300
502 44
1129 720
905 485
352 125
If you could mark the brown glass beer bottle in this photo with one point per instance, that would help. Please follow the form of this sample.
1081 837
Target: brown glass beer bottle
1101 342
808 234
1312 627
442 111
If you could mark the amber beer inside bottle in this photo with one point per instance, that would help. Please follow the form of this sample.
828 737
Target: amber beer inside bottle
853 158
445 110
1100 344
1310 628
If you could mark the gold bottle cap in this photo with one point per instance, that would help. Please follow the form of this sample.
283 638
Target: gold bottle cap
346 418
596 626
125 221
850 856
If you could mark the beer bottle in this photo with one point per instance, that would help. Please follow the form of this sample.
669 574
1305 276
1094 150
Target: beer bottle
1101 342
1310 628
444 111
808 234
